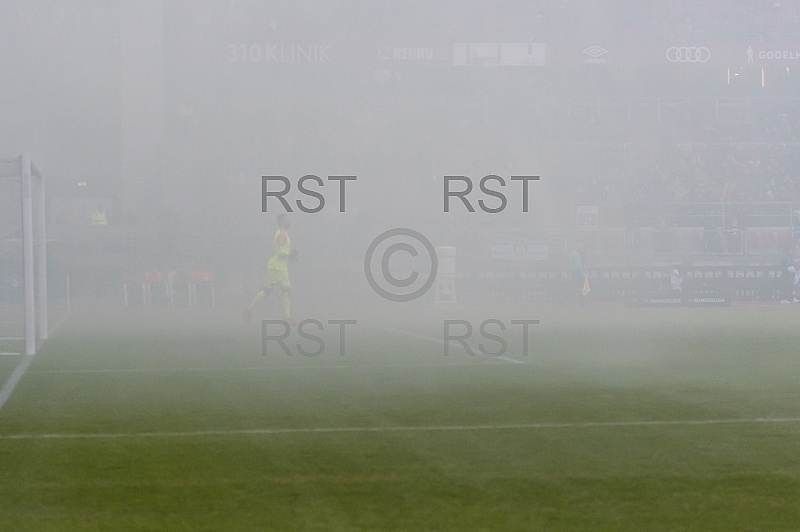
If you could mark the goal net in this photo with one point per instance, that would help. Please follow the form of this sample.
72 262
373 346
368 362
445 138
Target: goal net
23 259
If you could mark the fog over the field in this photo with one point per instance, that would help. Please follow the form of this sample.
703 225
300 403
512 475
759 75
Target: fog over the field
170 112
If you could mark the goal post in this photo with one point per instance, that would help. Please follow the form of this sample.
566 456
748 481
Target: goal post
23 256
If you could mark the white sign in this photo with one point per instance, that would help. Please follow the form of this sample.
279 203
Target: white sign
519 249
500 54
588 216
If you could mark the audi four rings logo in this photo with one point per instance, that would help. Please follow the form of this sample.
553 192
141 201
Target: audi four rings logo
688 54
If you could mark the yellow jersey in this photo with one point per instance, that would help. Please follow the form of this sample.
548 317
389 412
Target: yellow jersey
281 250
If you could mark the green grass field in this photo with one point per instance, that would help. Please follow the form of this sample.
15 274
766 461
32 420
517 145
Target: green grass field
617 419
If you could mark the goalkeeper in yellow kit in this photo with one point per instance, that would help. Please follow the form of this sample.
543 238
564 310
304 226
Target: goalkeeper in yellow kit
277 275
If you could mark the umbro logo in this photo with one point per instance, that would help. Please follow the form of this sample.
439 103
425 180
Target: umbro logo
595 51
595 54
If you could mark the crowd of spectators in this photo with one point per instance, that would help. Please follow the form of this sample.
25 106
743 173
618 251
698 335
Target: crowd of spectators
751 20
673 173
620 146
669 120
683 158
634 20
731 20
540 20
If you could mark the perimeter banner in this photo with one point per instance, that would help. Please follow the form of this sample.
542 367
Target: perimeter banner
694 54
683 300
256 50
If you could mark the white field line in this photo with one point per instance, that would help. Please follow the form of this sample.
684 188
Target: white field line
310 367
441 342
261 368
19 371
14 378
430 428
